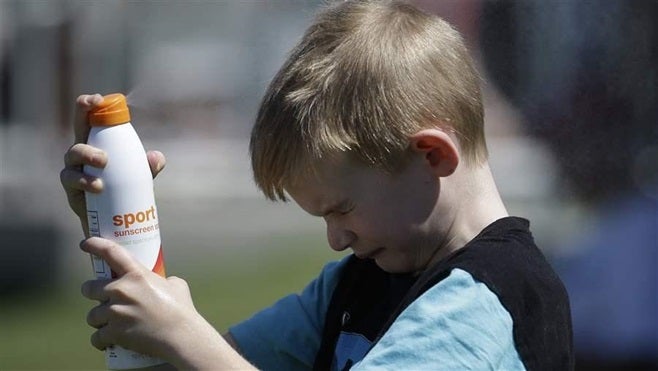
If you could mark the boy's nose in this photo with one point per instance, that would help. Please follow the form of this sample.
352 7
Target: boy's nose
340 238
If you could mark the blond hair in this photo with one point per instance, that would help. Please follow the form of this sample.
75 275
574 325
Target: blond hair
365 77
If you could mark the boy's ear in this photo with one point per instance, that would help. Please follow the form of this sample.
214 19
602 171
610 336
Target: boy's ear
438 148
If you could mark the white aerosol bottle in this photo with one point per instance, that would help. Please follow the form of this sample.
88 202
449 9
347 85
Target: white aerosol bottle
125 210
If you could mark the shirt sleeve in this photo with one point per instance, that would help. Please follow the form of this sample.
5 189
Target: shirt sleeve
458 324
287 335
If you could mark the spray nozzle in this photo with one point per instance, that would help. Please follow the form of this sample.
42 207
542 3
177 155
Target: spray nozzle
112 111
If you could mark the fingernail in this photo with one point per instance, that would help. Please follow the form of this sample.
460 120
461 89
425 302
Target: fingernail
81 244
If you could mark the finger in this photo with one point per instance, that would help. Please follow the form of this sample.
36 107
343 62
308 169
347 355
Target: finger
118 258
95 290
83 154
98 316
77 201
75 181
102 338
84 104
157 161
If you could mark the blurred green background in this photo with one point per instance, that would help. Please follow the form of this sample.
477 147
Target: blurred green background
47 330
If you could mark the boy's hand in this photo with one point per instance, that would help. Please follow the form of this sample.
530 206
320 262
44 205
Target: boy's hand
145 312
74 181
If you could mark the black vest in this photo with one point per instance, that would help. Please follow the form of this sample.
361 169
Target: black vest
503 256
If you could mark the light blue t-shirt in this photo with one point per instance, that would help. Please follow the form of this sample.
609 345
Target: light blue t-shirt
457 324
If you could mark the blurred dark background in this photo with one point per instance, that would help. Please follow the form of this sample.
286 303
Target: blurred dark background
572 124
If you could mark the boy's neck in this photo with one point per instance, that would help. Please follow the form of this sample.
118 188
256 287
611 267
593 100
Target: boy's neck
476 203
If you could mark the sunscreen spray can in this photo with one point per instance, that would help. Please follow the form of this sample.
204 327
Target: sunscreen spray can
125 210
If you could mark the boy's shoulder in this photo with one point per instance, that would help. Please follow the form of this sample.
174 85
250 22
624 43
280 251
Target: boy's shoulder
505 250
505 257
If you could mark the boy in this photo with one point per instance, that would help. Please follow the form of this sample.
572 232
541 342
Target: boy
375 124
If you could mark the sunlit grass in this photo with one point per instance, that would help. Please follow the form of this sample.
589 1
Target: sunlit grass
48 331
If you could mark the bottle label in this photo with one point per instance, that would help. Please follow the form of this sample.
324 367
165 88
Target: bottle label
137 231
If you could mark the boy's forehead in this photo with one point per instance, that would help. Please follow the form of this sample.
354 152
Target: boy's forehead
327 182
324 174
327 169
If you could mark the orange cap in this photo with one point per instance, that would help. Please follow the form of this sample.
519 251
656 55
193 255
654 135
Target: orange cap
112 111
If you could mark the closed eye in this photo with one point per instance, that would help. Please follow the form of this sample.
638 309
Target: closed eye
342 208
347 210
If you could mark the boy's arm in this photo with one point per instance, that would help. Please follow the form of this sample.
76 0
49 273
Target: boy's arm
288 334
169 367
149 314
